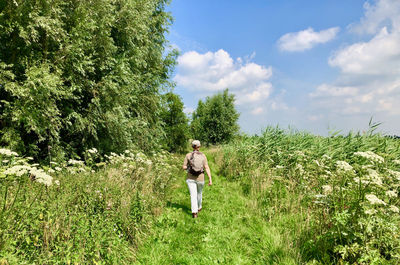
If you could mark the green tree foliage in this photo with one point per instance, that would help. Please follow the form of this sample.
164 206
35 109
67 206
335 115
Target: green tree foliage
176 124
215 120
79 74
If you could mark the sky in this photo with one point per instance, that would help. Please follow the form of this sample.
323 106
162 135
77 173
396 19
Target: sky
316 66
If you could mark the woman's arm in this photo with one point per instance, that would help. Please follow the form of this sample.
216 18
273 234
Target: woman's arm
208 174
208 171
185 162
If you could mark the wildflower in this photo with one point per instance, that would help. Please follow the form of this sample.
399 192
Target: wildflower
316 162
279 167
391 193
75 162
92 151
17 170
53 163
148 162
71 170
57 182
81 169
370 211
370 156
42 177
363 181
127 151
396 161
92 171
395 174
58 168
29 158
374 177
5 161
7 152
394 209
374 200
326 157
344 166
327 189
51 170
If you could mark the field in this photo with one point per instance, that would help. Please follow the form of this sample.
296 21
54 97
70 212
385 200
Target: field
279 198
336 197
80 211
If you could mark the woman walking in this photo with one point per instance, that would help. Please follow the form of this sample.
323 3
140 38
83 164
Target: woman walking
195 163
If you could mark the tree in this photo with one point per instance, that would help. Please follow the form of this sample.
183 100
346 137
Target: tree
80 74
175 123
215 120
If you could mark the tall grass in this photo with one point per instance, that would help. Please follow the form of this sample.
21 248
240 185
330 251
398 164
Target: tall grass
89 213
335 197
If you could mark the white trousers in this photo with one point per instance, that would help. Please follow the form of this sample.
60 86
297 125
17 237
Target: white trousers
195 189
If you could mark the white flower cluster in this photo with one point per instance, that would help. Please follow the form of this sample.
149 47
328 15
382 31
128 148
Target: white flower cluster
370 156
18 170
93 151
374 200
396 161
395 174
327 189
39 174
394 209
7 152
372 177
344 166
75 162
325 156
391 193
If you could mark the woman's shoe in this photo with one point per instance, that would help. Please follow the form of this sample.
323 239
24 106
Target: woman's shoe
194 215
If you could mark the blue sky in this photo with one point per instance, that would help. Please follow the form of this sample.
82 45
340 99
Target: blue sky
313 65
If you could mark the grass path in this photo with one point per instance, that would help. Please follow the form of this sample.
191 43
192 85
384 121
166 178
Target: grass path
227 231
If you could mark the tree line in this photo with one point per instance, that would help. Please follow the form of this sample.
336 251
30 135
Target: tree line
81 74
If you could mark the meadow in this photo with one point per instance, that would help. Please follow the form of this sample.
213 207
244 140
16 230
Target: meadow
335 198
282 197
91 211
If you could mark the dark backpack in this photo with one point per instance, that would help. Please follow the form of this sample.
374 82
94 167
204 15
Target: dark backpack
196 162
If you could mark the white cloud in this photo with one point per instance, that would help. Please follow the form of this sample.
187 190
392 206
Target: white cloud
369 79
216 71
378 56
385 13
306 39
326 90
257 111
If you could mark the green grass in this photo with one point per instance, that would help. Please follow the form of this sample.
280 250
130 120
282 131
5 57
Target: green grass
229 229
